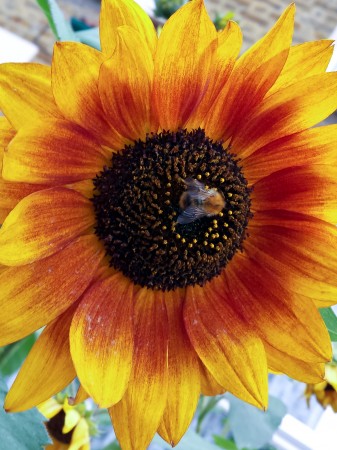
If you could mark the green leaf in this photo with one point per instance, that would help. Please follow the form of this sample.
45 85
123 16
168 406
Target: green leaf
251 427
90 37
60 27
113 446
21 431
191 441
222 442
330 320
13 355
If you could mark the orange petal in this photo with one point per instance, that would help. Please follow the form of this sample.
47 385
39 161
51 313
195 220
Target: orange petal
26 95
47 369
209 385
300 249
295 368
307 189
81 395
116 13
183 373
290 110
286 321
101 339
183 63
41 291
313 146
304 60
253 75
229 44
42 224
54 152
137 416
12 193
125 84
75 72
226 345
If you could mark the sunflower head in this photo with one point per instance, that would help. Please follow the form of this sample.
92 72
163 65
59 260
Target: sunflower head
325 392
69 426
168 215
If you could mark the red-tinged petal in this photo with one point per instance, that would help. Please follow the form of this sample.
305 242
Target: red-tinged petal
116 13
183 373
75 72
182 64
230 350
12 193
300 249
313 146
41 291
137 416
209 385
294 367
304 60
42 224
125 85
288 111
229 44
307 189
101 339
84 187
53 152
47 369
286 321
26 95
253 75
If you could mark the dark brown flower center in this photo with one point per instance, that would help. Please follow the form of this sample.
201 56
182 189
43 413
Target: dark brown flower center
142 201
54 427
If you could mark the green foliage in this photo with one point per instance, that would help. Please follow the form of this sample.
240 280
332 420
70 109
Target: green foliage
221 21
13 355
251 427
60 27
21 431
222 442
165 8
330 320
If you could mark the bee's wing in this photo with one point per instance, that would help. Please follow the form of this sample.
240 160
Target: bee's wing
190 214
196 190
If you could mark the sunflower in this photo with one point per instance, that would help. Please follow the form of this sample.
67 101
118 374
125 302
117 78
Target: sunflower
168 216
68 425
326 391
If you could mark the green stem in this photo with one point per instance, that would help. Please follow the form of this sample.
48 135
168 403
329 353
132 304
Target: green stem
204 411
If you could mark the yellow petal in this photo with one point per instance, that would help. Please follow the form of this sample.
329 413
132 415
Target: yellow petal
182 64
80 437
183 373
116 13
137 416
50 408
71 419
47 369
253 75
304 60
125 85
42 224
101 339
228 347
26 95
36 292
290 110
